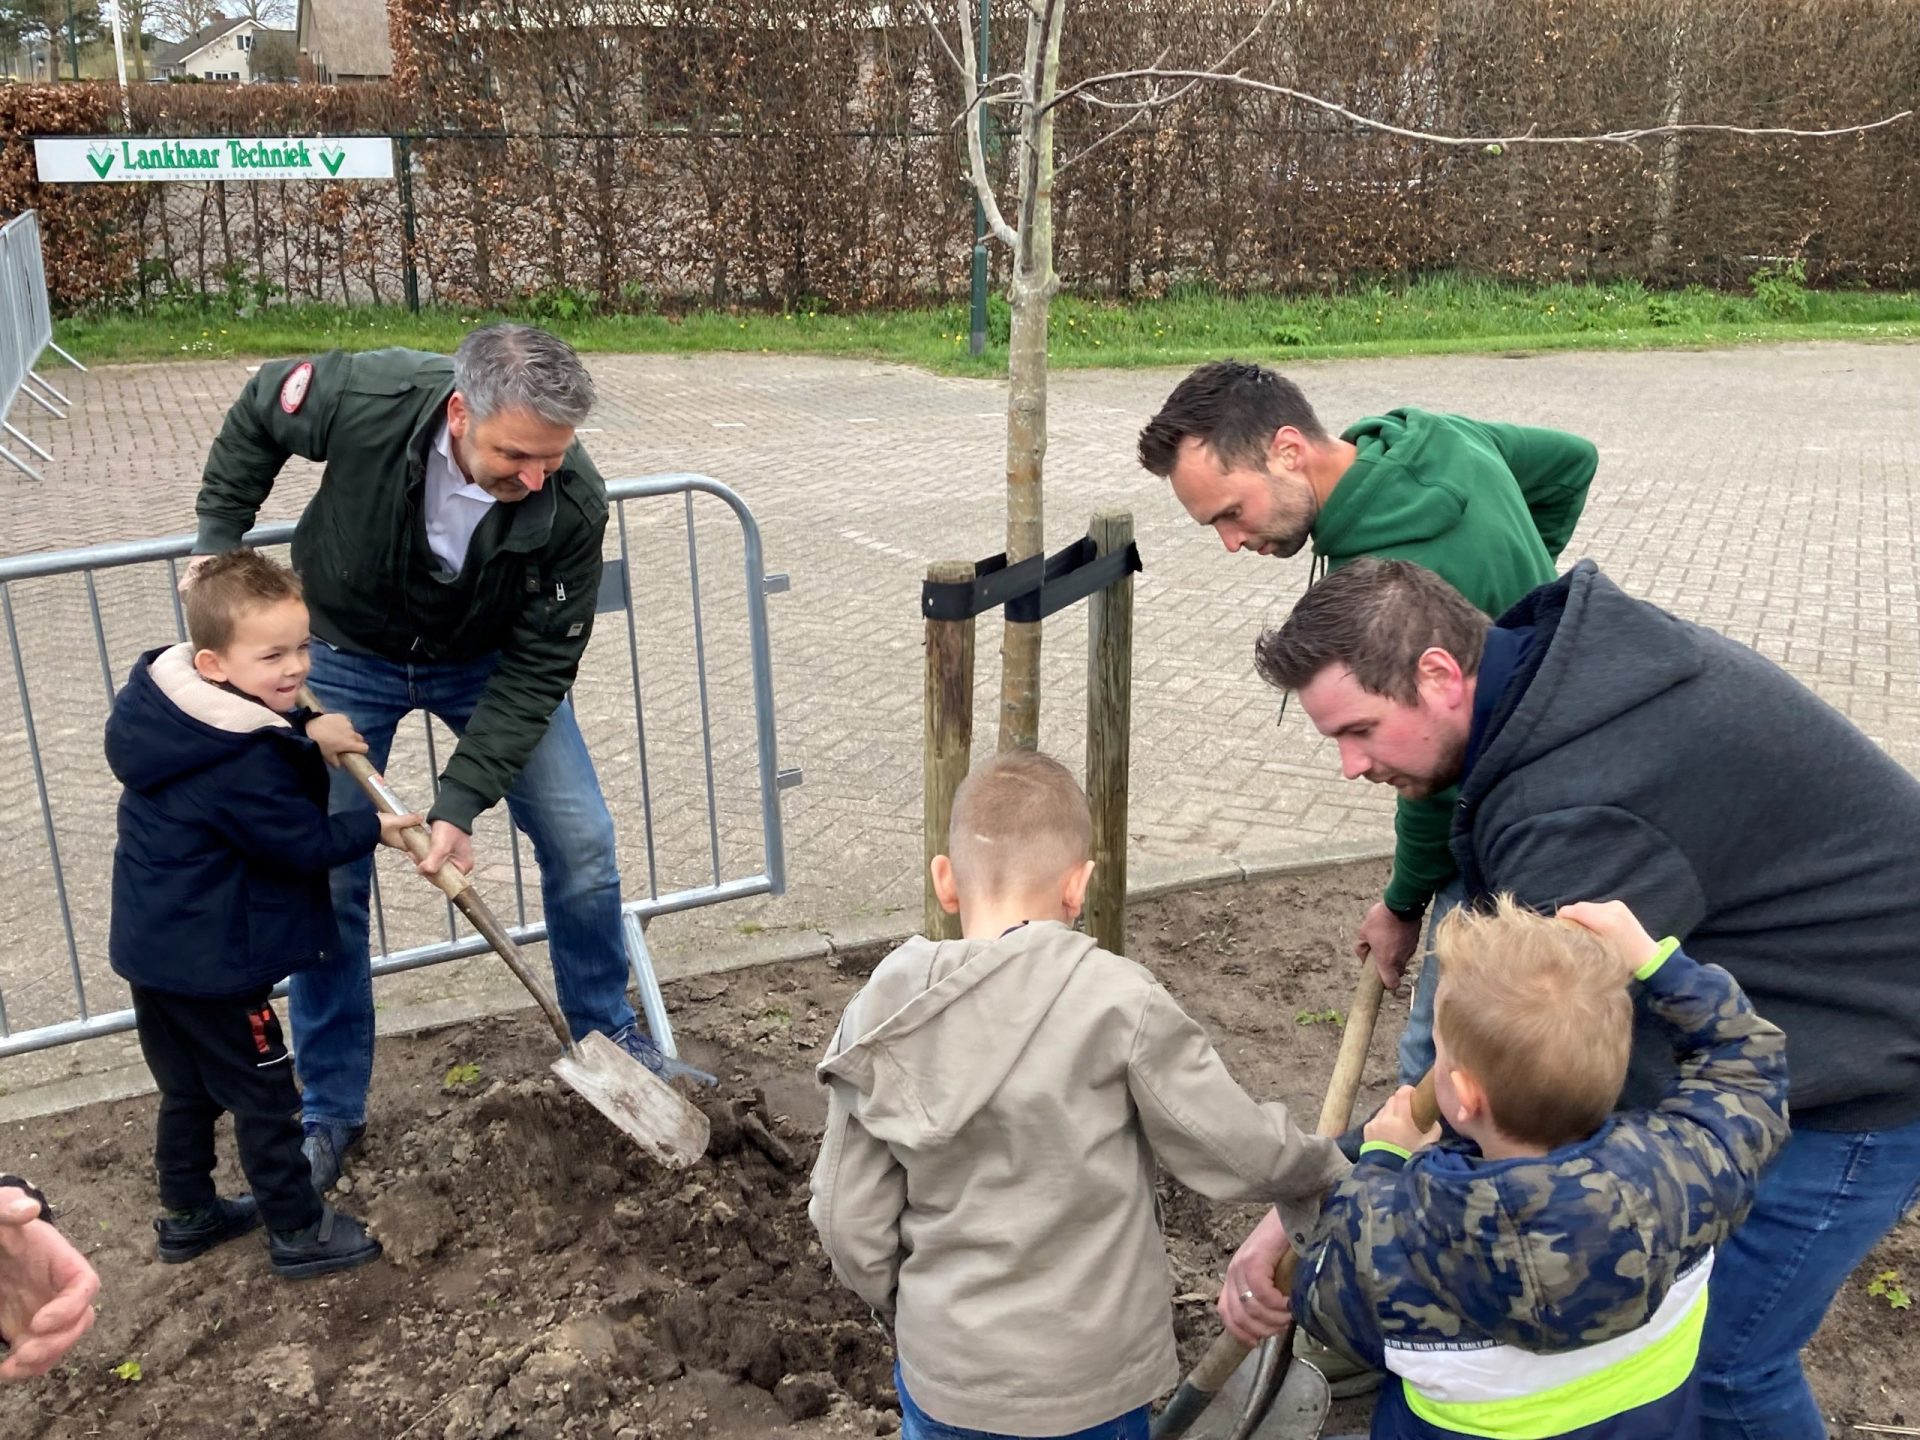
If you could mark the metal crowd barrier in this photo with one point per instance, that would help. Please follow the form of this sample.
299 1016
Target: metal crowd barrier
26 331
80 767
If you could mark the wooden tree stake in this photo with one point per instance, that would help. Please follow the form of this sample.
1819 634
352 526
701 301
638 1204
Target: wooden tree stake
948 736
1109 735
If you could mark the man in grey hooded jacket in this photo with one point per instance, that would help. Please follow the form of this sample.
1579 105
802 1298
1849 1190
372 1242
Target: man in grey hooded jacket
1606 748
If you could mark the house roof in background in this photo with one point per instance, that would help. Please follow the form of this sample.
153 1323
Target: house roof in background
179 50
347 37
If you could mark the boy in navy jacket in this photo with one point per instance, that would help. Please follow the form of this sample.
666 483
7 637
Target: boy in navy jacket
220 891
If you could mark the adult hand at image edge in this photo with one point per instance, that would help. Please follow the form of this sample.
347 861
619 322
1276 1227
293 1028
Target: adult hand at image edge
46 1289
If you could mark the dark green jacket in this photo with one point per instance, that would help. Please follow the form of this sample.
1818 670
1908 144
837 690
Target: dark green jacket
527 590
1487 508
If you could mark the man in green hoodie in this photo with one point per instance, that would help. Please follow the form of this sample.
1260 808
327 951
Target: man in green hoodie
1487 507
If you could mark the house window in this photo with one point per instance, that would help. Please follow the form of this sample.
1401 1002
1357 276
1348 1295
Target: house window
245 42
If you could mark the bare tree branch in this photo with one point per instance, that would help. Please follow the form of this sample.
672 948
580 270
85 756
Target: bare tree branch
1140 108
1013 95
1122 128
1158 99
1609 137
1245 40
976 152
1042 42
933 25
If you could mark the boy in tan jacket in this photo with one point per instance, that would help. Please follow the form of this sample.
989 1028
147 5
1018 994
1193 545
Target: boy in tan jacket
996 1106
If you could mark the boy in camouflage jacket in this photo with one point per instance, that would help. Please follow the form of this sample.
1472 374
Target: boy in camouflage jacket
1545 1274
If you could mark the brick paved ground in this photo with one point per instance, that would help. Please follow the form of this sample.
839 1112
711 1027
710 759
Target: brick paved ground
1766 491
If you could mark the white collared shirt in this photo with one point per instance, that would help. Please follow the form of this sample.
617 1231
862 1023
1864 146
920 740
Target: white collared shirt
455 506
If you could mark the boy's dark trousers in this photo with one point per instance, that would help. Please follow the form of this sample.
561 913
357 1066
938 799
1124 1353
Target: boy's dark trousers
210 1054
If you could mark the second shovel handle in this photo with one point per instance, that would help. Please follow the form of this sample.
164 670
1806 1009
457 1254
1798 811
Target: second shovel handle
1356 1037
1226 1353
1344 1088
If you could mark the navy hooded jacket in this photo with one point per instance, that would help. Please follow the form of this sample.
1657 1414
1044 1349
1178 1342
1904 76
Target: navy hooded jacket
1640 757
220 871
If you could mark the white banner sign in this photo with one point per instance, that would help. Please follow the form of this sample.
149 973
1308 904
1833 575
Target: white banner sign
113 158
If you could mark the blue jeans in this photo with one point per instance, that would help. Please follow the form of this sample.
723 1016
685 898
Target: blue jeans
1416 1041
556 803
916 1424
1823 1204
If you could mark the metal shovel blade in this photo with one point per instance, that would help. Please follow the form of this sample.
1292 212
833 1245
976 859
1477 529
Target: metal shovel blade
1260 1403
661 1120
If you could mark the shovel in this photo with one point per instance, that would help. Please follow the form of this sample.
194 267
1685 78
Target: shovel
1239 1394
664 1123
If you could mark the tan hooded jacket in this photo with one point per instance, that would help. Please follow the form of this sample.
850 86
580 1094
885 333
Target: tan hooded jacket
987 1173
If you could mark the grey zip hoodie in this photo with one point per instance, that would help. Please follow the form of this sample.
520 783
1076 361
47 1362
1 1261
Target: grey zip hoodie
1639 757
987 1172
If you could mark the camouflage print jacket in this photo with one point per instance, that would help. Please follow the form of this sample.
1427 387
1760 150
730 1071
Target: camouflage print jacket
1560 1295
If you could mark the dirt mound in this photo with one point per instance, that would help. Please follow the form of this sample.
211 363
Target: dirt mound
640 1275
544 1280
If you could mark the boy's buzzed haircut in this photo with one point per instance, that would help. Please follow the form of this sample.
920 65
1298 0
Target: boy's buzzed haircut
1538 1011
229 586
1020 821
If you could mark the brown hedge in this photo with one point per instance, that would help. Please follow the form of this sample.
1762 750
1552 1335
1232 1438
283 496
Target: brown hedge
777 151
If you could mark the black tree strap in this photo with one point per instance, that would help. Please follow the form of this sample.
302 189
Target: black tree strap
1033 589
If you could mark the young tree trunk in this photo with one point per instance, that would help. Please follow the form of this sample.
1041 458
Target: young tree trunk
1034 283
1666 181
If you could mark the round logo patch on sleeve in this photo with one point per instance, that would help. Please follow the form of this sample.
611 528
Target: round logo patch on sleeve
293 391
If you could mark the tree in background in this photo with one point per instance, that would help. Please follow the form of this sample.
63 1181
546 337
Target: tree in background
177 19
30 25
12 38
275 56
276 14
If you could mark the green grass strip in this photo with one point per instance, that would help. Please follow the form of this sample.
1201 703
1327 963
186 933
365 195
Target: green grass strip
1444 315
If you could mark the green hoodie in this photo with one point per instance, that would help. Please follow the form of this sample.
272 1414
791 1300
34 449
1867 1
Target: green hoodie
1488 508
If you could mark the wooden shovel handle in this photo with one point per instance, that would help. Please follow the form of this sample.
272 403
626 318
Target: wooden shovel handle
453 882
450 878
1223 1357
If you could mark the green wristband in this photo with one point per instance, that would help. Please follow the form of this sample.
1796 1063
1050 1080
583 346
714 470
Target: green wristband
1660 954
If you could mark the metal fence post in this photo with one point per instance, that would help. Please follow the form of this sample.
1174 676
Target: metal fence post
404 142
977 328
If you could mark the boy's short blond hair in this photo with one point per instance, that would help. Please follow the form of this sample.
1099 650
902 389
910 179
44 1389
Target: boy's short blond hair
229 586
1020 821
1537 1010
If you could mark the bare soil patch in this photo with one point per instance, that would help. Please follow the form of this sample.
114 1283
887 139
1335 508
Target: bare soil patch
543 1280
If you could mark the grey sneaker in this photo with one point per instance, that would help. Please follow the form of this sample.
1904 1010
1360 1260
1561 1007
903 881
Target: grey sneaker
1346 1379
325 1147
637 1043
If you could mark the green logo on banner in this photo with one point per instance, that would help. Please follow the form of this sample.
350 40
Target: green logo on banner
333 160
101 161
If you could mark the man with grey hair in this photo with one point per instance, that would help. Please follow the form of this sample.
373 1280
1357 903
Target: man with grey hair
451 558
